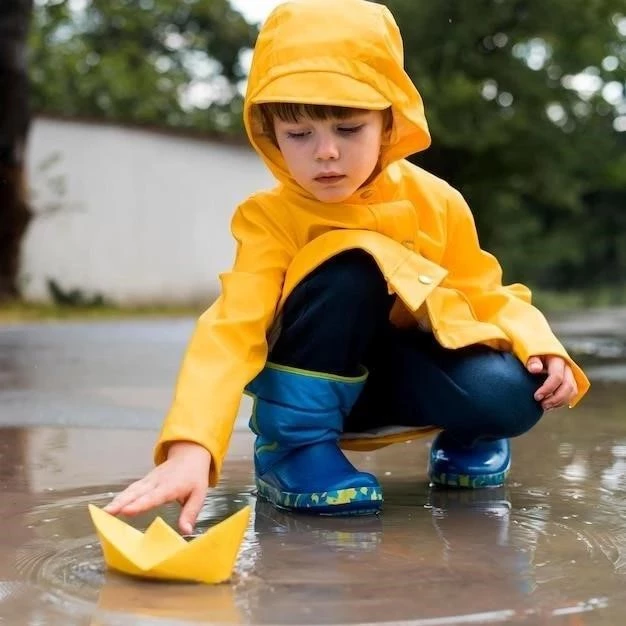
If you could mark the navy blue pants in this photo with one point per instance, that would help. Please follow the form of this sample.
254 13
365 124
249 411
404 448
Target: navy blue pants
337 319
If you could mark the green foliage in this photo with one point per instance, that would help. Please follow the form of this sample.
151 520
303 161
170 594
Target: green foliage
539 161
73 297
165 62
523 97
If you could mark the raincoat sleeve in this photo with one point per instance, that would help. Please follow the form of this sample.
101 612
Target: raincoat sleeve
228 346
478 275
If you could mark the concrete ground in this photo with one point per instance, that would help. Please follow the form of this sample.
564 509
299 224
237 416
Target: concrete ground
80 405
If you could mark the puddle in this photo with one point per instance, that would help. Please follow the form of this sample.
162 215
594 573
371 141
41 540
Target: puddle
549 548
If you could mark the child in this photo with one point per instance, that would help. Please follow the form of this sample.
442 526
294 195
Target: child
359 298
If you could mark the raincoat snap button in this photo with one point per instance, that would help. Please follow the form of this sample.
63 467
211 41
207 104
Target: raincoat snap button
425 280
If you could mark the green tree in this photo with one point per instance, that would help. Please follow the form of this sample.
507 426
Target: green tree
523 98
14 120
165 62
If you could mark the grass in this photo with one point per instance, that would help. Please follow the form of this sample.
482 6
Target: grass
17 312
563 301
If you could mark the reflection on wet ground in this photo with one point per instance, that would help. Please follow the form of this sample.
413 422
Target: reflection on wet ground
79 406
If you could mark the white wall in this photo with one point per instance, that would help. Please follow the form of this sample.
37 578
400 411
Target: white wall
138 216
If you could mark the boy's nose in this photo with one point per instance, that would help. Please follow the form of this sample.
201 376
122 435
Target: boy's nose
326 149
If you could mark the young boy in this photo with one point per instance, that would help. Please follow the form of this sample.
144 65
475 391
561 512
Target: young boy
359 301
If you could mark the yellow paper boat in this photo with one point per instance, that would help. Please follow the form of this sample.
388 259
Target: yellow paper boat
162 553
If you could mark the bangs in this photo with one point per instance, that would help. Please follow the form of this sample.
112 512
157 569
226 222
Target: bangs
295 111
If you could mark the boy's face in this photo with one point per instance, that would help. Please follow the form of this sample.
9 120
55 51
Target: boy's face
331 158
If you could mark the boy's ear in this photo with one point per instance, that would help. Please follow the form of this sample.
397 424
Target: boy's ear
387 126
265 122
386 137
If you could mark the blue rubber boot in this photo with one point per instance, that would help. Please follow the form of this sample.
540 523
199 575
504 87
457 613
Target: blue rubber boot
298 416
483 464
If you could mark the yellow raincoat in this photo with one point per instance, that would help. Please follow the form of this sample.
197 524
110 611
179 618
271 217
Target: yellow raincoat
419 229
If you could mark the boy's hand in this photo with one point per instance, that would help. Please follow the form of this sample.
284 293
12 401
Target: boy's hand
559 387
183 477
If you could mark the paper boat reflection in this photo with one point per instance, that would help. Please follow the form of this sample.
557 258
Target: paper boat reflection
162 553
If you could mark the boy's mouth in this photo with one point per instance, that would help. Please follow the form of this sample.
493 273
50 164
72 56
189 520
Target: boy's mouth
329 178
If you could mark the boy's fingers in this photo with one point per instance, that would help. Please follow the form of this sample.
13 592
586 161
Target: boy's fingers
156 496
556 371
127 496
140 496
549 386
557 399
572 379
535 365
564 393
190 511
165 483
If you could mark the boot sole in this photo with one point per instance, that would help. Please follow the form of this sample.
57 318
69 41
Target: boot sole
354 501
468 481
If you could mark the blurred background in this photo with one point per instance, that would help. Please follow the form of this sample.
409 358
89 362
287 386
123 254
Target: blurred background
122 152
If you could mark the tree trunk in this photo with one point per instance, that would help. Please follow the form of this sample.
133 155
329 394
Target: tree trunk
14 122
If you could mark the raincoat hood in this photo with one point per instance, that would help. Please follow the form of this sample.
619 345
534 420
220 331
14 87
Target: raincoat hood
333 52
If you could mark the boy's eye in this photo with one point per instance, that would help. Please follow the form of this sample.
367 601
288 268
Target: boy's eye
350 130
297 134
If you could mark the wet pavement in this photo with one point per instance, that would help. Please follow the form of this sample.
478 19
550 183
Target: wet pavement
79 408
